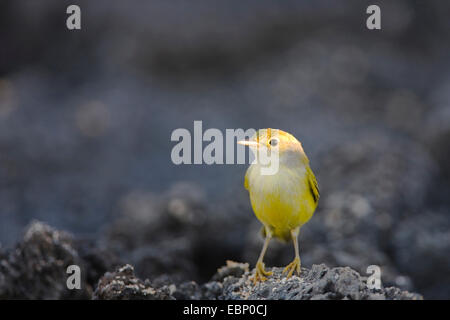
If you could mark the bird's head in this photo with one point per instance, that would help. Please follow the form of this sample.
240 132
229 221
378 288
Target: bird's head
274 140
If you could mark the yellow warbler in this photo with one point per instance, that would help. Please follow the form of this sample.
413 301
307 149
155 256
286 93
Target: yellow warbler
285 200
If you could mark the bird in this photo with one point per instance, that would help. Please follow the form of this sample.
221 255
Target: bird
282 201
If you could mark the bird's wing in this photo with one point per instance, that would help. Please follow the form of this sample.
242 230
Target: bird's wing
312 182
246 178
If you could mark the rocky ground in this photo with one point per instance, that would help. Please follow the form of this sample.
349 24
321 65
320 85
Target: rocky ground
231 282
36 269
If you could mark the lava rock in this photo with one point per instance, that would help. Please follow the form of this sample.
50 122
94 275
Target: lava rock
318 283
231 268
123 285
97 259
36 268
233 282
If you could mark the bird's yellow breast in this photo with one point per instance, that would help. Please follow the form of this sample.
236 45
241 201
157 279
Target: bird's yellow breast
283 201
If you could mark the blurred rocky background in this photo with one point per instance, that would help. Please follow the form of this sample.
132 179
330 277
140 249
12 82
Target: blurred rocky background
86 118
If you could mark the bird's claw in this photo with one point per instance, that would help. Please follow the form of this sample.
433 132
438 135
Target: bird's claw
260 273
293 266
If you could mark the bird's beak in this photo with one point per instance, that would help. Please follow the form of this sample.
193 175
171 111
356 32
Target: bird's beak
249 143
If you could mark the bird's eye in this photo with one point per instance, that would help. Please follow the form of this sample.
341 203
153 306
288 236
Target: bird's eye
273 142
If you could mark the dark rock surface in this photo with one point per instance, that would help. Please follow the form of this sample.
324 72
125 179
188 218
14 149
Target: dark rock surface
123 285
317 283
231 282
36 269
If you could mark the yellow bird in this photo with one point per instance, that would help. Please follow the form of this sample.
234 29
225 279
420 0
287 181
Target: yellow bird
285 200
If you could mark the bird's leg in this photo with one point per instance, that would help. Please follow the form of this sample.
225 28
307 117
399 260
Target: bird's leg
260 273
295 264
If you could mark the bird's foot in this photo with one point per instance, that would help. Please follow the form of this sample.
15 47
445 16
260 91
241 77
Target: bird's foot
293 266
260 273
